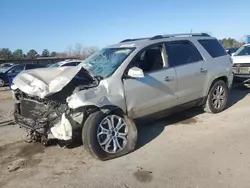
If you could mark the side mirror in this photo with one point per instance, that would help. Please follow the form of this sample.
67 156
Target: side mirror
232 54
135 72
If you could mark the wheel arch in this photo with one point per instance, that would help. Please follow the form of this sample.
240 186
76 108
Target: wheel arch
223 78
105 109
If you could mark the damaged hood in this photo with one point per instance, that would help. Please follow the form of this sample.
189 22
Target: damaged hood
43 82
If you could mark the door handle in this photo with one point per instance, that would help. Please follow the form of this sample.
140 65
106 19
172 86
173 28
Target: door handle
202 70
168 78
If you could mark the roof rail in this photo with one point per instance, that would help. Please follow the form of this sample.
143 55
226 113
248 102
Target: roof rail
129 40
168 36
180 34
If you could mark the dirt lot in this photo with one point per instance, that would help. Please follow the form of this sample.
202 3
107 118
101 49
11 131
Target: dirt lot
189 149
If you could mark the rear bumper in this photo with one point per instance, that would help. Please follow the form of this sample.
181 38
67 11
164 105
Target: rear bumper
241 76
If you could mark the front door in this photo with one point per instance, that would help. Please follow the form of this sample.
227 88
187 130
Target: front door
156 90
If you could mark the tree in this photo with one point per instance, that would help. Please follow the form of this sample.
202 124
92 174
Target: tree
18 54
61 54
32 54
53 54
86 52
69 51
77 50
230 43
45 53
5 53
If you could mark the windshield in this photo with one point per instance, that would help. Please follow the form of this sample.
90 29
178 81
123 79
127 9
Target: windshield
243 50
56 64
5 69
104 62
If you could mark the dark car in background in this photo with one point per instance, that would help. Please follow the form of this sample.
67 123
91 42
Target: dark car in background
7 76
230 51
4 67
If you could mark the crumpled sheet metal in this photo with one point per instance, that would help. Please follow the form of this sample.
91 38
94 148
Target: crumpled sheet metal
62 130
45 81
99 96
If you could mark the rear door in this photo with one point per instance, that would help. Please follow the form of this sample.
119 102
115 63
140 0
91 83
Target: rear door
156 90
191 69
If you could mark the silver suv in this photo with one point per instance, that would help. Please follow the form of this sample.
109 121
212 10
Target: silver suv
136 78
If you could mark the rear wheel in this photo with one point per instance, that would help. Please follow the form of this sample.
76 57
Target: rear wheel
217 97
108 136
1 82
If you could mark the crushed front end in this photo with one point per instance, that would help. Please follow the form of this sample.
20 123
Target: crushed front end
50 117
37 115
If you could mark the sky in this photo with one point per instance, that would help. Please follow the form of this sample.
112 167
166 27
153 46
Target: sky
58 24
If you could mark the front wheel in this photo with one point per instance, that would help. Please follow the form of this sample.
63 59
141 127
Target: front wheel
2 82
108 136
217 97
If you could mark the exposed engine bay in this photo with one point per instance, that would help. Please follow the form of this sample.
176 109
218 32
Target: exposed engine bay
49 116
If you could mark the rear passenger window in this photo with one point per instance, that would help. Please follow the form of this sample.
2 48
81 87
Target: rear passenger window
213 47
182 52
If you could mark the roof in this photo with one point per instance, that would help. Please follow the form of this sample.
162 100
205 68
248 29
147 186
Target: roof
142 42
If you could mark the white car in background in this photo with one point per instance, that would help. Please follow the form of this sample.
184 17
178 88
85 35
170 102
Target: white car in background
71 62
241 63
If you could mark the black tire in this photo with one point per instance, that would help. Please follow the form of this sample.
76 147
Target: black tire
2 83
90 140
209 107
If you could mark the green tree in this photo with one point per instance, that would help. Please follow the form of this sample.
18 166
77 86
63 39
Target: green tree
45 53
17 54
230 43
32 54
5 53
53 54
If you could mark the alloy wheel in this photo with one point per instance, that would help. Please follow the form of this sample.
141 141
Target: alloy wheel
112 134
219 97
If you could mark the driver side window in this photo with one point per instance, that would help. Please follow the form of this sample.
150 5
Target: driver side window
149 59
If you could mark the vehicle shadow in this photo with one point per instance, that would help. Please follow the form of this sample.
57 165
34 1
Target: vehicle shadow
150 129
237 94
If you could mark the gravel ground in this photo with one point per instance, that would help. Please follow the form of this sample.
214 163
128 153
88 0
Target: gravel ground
189 149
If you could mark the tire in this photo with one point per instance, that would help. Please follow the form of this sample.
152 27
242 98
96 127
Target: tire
211 106
126 138
2 82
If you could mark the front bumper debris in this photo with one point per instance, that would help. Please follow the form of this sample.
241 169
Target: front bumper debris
38 118
38 124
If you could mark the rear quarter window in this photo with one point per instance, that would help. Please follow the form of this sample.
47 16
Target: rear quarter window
213 47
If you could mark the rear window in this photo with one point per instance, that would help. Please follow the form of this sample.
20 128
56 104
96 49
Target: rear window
33 66
213 47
